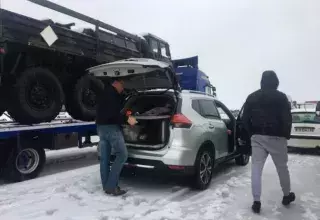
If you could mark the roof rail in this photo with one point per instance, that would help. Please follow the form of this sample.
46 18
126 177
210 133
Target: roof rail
198 92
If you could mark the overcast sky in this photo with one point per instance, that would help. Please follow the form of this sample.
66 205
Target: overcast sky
235 39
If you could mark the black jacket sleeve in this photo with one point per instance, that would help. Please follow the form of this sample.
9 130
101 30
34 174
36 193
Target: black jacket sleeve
286 117
122 119
246 117
116 115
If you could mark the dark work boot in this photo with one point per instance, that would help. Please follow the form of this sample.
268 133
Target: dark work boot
288 199
256 207
116 191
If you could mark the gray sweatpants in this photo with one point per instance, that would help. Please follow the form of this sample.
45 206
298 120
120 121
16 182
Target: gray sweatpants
262 146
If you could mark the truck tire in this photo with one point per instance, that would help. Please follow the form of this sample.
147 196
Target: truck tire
24 163
2 109
36 97
3 100
81 100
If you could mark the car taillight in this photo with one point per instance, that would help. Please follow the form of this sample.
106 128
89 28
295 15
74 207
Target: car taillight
128 113
2 51
180 121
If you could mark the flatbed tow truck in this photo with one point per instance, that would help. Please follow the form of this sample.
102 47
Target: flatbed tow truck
22 147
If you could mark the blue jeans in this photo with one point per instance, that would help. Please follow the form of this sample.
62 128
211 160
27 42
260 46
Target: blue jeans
111 137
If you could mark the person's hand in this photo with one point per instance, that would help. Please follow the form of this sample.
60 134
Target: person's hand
132 120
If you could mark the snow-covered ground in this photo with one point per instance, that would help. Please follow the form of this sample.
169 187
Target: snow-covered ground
70 189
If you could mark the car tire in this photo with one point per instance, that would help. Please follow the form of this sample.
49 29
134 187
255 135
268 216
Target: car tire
15 170
36 97
242 160
81 99
204 166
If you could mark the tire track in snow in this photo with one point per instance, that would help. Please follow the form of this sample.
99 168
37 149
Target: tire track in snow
81 190
190 204
209 204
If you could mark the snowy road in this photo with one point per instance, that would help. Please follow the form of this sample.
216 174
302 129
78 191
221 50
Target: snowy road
71 190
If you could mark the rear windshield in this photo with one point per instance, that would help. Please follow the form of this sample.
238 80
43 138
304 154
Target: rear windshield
305 117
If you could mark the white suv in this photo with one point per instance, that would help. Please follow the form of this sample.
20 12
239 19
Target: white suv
179 131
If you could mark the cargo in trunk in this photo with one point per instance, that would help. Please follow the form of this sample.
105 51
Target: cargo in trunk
153 113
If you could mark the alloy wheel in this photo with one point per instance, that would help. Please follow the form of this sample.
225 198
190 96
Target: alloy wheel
206 166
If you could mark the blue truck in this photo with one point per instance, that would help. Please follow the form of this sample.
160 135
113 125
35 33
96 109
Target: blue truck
191 77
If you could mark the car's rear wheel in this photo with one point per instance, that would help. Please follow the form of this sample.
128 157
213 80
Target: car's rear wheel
242 160
204 166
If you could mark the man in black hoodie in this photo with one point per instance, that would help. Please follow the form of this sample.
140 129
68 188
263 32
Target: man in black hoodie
267 118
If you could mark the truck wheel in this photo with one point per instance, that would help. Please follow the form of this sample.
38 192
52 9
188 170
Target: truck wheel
37 97
82 99
24 164
2 109
242 160
3 100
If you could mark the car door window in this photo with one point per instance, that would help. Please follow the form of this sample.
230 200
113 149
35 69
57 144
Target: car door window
223 114
196 106
208 109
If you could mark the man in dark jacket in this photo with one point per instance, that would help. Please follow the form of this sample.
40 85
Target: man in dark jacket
267 118
109 120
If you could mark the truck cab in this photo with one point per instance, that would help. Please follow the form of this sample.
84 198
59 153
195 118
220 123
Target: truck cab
159 48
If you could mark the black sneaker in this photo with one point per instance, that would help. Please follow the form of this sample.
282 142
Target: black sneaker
288 199
116 191
256 207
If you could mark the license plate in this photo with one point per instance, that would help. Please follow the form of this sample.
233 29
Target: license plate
304 129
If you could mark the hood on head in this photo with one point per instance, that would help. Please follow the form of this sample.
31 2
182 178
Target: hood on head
269 80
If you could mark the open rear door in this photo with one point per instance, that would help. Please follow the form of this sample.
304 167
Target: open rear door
242 136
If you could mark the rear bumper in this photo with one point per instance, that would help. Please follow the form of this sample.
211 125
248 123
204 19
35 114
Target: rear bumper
303 141
157 165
